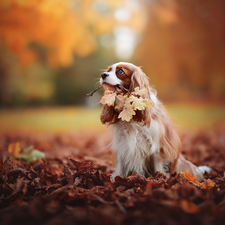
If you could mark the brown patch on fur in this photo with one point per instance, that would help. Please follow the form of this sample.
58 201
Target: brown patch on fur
171 145
109 69
173 165
126 77
169 139
161 152
139 79
108 115
139 116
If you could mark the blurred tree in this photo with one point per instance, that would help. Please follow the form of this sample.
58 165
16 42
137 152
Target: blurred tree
61 28
50 31
183 48
54 32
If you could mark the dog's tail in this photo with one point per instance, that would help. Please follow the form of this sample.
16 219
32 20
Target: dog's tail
184 165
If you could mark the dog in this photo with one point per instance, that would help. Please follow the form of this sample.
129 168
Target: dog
149 142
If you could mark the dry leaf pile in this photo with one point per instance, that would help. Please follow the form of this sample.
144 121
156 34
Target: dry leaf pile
72 185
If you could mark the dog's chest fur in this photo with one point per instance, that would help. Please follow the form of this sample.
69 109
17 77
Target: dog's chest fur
134 145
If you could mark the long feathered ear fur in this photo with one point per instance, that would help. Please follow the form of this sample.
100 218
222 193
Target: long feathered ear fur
108 115
139 79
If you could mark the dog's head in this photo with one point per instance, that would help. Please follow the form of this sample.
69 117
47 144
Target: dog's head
124 77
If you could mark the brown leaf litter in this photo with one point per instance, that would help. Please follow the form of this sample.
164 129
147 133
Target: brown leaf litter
72 185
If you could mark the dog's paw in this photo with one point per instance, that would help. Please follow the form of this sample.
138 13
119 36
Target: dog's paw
205 169
113 177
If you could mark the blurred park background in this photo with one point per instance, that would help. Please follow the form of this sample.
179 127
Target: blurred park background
52 53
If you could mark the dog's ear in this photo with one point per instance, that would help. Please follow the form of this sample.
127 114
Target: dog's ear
108 115
139 79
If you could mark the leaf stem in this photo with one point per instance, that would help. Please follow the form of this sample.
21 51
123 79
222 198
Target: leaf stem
88 95
120 86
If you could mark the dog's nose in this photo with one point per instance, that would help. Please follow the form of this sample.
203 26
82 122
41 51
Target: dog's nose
104 75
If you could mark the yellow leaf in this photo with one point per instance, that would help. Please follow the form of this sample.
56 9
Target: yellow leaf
127 103
108 98
140 92
148 103
127 113
189 177
14 148
206 184
120 101
137 103
193 180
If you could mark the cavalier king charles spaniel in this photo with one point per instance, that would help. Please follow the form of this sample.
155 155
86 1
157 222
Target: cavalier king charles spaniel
149 142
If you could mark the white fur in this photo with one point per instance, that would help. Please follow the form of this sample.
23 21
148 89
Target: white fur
205 169
112 78
133 143
181 166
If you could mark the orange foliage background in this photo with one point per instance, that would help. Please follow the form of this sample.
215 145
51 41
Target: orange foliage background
183 48
56 25
49 49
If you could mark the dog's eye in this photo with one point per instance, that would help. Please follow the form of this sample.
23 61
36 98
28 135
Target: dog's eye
120 72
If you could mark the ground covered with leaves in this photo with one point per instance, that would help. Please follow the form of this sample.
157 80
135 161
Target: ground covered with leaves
71 184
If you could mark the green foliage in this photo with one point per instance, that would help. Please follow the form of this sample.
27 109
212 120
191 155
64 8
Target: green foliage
33 155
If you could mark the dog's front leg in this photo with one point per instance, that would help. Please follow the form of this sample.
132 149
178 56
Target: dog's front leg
160 165
118 171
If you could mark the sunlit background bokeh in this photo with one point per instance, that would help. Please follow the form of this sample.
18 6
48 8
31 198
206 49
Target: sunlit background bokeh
52 53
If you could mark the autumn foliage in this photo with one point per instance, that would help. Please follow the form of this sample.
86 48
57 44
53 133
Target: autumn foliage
193 180
181 50
72 183
127 103
60 28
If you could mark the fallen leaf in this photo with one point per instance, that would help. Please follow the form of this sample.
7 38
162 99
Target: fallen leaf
68 174
28 149
207 183
18 186
84 166
189 207
34 155
14 148
189 177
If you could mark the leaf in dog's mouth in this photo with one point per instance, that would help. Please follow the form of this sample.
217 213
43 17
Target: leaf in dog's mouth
126 103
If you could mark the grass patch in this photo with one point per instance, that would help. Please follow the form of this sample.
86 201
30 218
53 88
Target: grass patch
50 119
197 116
61 119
